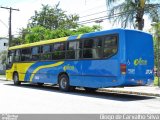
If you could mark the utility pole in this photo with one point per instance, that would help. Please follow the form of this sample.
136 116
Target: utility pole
10 22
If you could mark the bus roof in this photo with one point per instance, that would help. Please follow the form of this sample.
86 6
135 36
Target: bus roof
82 36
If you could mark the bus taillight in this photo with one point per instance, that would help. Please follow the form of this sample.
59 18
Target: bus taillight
123 68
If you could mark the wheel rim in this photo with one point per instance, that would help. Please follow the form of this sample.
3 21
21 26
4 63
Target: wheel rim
63 83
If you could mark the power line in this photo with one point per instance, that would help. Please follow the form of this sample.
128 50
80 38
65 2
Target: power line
93 8
10 22
94 13
4 24
101 18
108 17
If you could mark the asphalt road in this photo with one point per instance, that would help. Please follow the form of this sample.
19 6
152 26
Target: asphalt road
48 99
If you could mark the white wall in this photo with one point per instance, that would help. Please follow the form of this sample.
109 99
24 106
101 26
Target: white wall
3 48
2 41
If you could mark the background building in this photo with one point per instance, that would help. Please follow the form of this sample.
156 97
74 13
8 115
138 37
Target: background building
3 51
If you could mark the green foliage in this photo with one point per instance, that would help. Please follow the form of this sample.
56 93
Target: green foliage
3 56
39 33
53 18
155 81
51 23
131 14
155 30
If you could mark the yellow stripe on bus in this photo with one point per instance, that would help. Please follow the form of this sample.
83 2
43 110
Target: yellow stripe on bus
39 43
79 36
45 66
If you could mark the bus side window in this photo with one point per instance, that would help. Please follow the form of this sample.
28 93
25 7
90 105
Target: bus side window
46 52
36 53
110 46
26 54
58 51
17 56
97 48
71 52
87 48
92 48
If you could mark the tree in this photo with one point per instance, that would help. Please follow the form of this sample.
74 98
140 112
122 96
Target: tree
131 12
39 33
53 18
156 37
51 23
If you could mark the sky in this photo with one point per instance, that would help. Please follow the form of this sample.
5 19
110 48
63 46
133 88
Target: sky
27 8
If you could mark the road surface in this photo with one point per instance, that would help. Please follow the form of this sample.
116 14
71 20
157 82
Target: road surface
49 100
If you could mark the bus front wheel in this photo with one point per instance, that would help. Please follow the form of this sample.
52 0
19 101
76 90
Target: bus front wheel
16 79
64 83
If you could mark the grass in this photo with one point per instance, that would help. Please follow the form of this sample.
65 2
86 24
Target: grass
155 81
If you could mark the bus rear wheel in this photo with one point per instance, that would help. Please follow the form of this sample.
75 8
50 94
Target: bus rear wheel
16 79
64 83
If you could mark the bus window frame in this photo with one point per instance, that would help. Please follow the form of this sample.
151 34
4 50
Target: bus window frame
65 50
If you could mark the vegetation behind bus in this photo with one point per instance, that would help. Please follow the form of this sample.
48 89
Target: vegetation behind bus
131 12
50 23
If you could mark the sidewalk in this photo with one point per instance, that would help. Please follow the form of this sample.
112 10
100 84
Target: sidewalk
138 90
2 77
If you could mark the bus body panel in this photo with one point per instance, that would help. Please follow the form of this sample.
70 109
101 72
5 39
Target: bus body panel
139 58
96 73
20 68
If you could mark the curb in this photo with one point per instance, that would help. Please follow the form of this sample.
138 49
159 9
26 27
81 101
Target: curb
4 79
130 92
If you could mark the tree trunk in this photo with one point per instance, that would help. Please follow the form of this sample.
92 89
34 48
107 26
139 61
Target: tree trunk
139 19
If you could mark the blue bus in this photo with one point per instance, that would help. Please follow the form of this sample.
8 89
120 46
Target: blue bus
111 58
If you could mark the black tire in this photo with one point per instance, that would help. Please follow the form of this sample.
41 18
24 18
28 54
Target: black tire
16 79
40 84
90 89
64 83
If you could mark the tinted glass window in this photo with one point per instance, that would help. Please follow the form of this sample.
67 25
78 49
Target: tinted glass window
72 45
73 51
46 52
59 46
46 48
98 42
10 56
26 54
58 51
58 55
36 53
17 56
35 50
110 46
47 56
88 43
93 48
